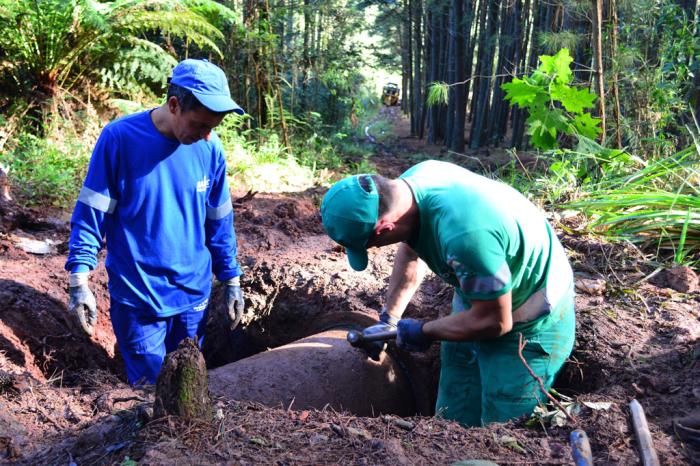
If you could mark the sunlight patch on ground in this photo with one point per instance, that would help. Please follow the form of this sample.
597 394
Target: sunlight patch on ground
282 175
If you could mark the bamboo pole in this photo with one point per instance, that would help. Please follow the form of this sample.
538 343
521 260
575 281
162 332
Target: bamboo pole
275 83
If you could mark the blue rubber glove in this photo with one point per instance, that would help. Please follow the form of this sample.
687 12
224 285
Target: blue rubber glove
82 306
234 302
410 335
386 322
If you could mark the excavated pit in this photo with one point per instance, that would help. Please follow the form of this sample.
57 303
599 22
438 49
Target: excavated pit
298 355
297 285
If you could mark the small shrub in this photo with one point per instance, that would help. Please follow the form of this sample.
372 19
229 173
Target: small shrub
43 174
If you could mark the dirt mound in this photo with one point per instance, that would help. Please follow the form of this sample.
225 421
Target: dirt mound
66 400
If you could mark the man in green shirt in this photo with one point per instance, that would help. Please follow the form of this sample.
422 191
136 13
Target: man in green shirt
510 276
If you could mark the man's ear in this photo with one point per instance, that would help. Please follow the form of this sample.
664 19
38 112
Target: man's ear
173 104
383 226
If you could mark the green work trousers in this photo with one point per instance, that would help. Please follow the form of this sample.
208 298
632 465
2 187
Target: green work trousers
485 381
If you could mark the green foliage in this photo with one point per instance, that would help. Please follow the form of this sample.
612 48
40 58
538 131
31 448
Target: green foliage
654 204
256 158
438 94
554 106
43 173
555 41
656 207
657 60
56 44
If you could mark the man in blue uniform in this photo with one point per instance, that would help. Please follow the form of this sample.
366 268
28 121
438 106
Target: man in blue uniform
156 191
510 275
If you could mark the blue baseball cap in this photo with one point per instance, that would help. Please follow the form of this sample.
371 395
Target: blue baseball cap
349 214
208 84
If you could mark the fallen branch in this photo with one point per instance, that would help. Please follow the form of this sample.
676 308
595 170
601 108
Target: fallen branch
128 398
248 196
521 346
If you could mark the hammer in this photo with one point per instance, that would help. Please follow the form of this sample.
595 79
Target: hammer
358 339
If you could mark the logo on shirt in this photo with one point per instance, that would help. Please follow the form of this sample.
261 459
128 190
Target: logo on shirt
203 185
201 307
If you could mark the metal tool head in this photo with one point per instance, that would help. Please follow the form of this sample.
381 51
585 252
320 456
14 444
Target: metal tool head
354 338
358 339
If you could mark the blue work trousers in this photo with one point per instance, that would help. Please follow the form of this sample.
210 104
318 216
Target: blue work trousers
144 340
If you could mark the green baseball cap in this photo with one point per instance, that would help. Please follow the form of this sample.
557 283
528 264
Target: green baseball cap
349 214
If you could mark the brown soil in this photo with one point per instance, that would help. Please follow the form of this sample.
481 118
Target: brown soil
64 398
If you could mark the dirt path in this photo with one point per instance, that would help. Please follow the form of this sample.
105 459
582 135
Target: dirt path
63 398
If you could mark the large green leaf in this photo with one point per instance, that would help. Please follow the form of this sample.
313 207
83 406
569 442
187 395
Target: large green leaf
558 66
587 125
543 126
574 100
553 105
520 92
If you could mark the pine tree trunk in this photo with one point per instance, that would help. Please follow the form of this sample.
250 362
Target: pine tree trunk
486 57
615 76
598 62
480 37
451 58
460 96
306 60
433 57
499 107
275 83
407 59
417 91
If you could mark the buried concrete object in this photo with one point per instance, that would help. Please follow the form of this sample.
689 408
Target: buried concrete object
315 372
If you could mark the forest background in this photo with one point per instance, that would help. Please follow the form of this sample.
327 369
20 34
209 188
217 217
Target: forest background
605 93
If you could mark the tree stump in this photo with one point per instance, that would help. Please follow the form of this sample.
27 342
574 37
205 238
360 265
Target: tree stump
182 388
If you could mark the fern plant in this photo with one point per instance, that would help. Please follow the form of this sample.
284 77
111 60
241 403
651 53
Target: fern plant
49 45
554 106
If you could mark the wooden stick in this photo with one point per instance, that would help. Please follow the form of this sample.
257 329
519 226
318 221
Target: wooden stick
641 431
521 346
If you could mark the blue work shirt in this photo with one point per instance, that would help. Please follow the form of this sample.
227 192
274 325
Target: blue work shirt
165 211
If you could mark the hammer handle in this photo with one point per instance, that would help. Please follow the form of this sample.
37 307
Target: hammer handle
388 335
357 338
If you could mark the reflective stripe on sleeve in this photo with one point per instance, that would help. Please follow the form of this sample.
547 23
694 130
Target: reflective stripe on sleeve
489 284
96 200
215 213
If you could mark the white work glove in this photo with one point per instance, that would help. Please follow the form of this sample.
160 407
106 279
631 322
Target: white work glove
234 301
82 306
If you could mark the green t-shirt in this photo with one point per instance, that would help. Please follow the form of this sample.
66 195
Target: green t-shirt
485 238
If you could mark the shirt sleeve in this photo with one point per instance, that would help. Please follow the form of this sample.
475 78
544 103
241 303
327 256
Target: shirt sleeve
96 203
220 234
478 259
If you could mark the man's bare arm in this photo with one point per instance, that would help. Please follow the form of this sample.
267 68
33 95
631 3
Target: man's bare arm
406 277
485 319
